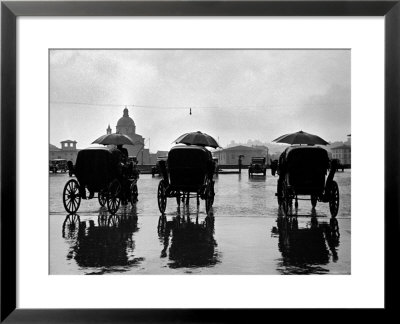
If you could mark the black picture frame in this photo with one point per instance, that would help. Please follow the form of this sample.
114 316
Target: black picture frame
10 10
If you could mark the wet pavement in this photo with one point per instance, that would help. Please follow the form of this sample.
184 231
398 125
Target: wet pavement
245 233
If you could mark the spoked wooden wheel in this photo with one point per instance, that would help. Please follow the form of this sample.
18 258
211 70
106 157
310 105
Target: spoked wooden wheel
286 200
113 196
71 196
162 196
133 194
209 196
334 199
212 193
279 192
102 198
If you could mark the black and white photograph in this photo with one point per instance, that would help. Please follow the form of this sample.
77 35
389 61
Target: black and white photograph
199 161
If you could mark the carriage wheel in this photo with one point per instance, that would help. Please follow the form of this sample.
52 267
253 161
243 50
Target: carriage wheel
134 194
162 197
213 193
286 199
209 196
334 199
71 196
279 192
208 199
102 198
113 196
314 200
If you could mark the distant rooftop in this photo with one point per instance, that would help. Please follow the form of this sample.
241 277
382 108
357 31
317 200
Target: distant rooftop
68 141
341 147
53 148
241 147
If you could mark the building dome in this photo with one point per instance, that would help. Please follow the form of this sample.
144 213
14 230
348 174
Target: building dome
125 120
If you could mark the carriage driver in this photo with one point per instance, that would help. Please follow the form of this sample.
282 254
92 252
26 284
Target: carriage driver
124 153
126 170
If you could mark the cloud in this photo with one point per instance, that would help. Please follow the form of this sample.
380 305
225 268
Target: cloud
256 94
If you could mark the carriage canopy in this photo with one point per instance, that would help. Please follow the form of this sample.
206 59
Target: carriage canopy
305 167
189 166
95 167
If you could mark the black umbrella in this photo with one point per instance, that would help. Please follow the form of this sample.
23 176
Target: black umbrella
197 138
115 139
301 138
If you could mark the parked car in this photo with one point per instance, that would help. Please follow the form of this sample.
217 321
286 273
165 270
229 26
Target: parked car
338 164
156 169
257 165
58 165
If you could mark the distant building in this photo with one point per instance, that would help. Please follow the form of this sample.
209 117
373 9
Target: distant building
152 158
230 156
342 153
126 126
161 153
68 151
155 156
348 139
275 156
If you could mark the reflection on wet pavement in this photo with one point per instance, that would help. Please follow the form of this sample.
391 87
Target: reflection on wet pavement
305 250
107 246
191 244
245 233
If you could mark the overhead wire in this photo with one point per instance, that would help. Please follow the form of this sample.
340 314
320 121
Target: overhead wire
190 106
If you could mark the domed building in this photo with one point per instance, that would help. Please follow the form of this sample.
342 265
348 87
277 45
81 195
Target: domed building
126 126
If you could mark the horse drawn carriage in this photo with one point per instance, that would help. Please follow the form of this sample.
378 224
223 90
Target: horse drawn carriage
302 171
99 171
188 171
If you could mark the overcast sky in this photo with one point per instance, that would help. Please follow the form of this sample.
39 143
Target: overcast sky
234 94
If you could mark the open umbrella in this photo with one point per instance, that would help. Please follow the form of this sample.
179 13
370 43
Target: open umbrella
197 138
301 138
115 139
